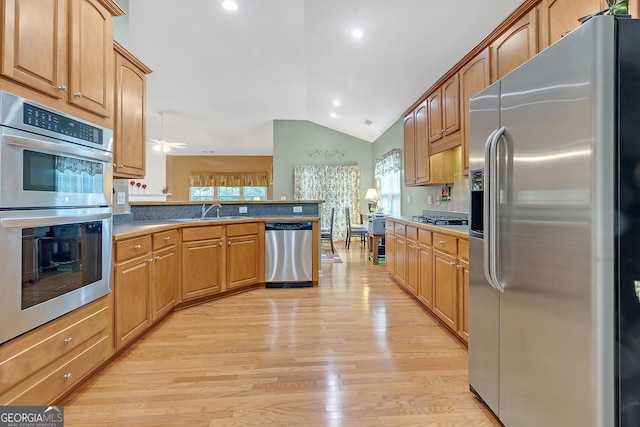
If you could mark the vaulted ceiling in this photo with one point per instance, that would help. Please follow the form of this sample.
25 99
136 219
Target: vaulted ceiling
222 77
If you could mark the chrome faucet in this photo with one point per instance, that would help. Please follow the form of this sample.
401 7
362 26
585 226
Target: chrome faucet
205 210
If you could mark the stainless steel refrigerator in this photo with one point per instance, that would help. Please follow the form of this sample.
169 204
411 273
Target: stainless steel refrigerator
554 309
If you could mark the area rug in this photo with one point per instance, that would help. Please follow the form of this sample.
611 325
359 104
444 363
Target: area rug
326 257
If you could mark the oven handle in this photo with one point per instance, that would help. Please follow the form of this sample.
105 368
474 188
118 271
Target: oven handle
53 147
51 220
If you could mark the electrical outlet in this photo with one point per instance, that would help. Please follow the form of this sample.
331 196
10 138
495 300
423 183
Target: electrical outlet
408 199
283 197
243 209
297 209
120 198
429 199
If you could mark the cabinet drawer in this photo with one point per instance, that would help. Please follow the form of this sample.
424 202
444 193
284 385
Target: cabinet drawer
42 353
389 225
424 236
49 388
131 248
202 233
412 233
164 239
400 229
463 249
445 243
242 229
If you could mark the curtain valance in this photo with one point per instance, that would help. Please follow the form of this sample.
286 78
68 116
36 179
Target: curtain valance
389 162
229 179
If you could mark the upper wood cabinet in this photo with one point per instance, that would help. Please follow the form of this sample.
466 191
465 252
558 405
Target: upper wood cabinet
409 149
560 17
62 49
129 152
444 116
474 76
514 46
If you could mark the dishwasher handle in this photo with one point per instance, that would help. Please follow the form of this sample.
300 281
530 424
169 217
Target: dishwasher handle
289 226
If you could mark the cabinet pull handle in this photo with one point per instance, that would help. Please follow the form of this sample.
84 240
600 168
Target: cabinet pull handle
78 94
137 247
167 238
68 340
62 88
157 256
441 242
67 377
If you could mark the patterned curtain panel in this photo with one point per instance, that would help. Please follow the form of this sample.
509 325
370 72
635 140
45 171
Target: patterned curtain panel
229 179
338 186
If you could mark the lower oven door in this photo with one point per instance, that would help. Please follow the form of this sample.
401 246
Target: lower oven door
55 261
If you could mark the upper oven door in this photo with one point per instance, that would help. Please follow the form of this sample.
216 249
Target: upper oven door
38 171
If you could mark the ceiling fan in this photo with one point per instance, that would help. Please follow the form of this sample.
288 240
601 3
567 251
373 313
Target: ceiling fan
161 145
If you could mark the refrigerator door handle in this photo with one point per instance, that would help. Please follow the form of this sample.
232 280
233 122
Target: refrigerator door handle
491 214
486 214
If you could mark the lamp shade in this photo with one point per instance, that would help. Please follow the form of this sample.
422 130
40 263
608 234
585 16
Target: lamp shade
372 194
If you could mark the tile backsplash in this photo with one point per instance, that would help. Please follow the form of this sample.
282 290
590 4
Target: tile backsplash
459 197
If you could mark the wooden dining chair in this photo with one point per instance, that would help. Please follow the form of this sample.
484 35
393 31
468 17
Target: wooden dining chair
326 233
354 230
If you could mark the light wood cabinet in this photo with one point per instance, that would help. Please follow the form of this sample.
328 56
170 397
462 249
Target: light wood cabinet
400 251
409 149
421 160
62 49
243 250
202 261
560 17
165 279
412 260
41 366
132 288
425 287
514 46
443 112
475 75
463 299
129 152
444 288
390 238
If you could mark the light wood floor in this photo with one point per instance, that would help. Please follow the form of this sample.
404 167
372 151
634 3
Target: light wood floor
355 351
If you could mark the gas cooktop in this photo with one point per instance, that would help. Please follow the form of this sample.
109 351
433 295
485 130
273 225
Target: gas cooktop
441 220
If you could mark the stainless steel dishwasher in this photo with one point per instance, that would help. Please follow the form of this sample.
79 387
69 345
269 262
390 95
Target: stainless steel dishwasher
288 254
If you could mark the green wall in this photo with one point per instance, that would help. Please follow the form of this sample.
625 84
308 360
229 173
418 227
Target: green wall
412 197
121 25
297 142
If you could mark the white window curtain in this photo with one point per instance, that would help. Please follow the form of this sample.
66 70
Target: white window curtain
338 186
387 174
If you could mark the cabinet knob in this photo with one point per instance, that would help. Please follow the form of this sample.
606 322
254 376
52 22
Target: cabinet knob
452 263
157 256
120 166
78 94
441 242
220 244
67 377
68 340
62 88
137 247
150 260
229 243
167 238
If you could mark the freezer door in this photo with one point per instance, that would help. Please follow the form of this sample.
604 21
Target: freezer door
484 300
556 204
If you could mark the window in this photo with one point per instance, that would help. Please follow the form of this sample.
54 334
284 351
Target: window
227 193
387 173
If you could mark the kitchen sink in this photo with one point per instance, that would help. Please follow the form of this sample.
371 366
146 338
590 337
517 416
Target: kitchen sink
209 219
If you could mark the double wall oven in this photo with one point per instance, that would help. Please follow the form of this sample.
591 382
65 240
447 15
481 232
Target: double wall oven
55 214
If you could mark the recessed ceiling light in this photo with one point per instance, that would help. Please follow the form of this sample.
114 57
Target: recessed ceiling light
336 102
368 122
230 5
334 115
357 33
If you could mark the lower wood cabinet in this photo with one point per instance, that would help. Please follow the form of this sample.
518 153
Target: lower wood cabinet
202 261
425 269
445 304
165 268
41 366
412 258
243 255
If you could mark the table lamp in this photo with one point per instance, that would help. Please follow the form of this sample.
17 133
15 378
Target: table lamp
372 197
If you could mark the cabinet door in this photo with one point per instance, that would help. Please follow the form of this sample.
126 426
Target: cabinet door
132 286
91 57
412 260
202 267
474 76
130 134
463 299
559 17
421 144
434 114
34 44
400 263
450 106
409 150
242 261
165 281
516 45
425 287
445 302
